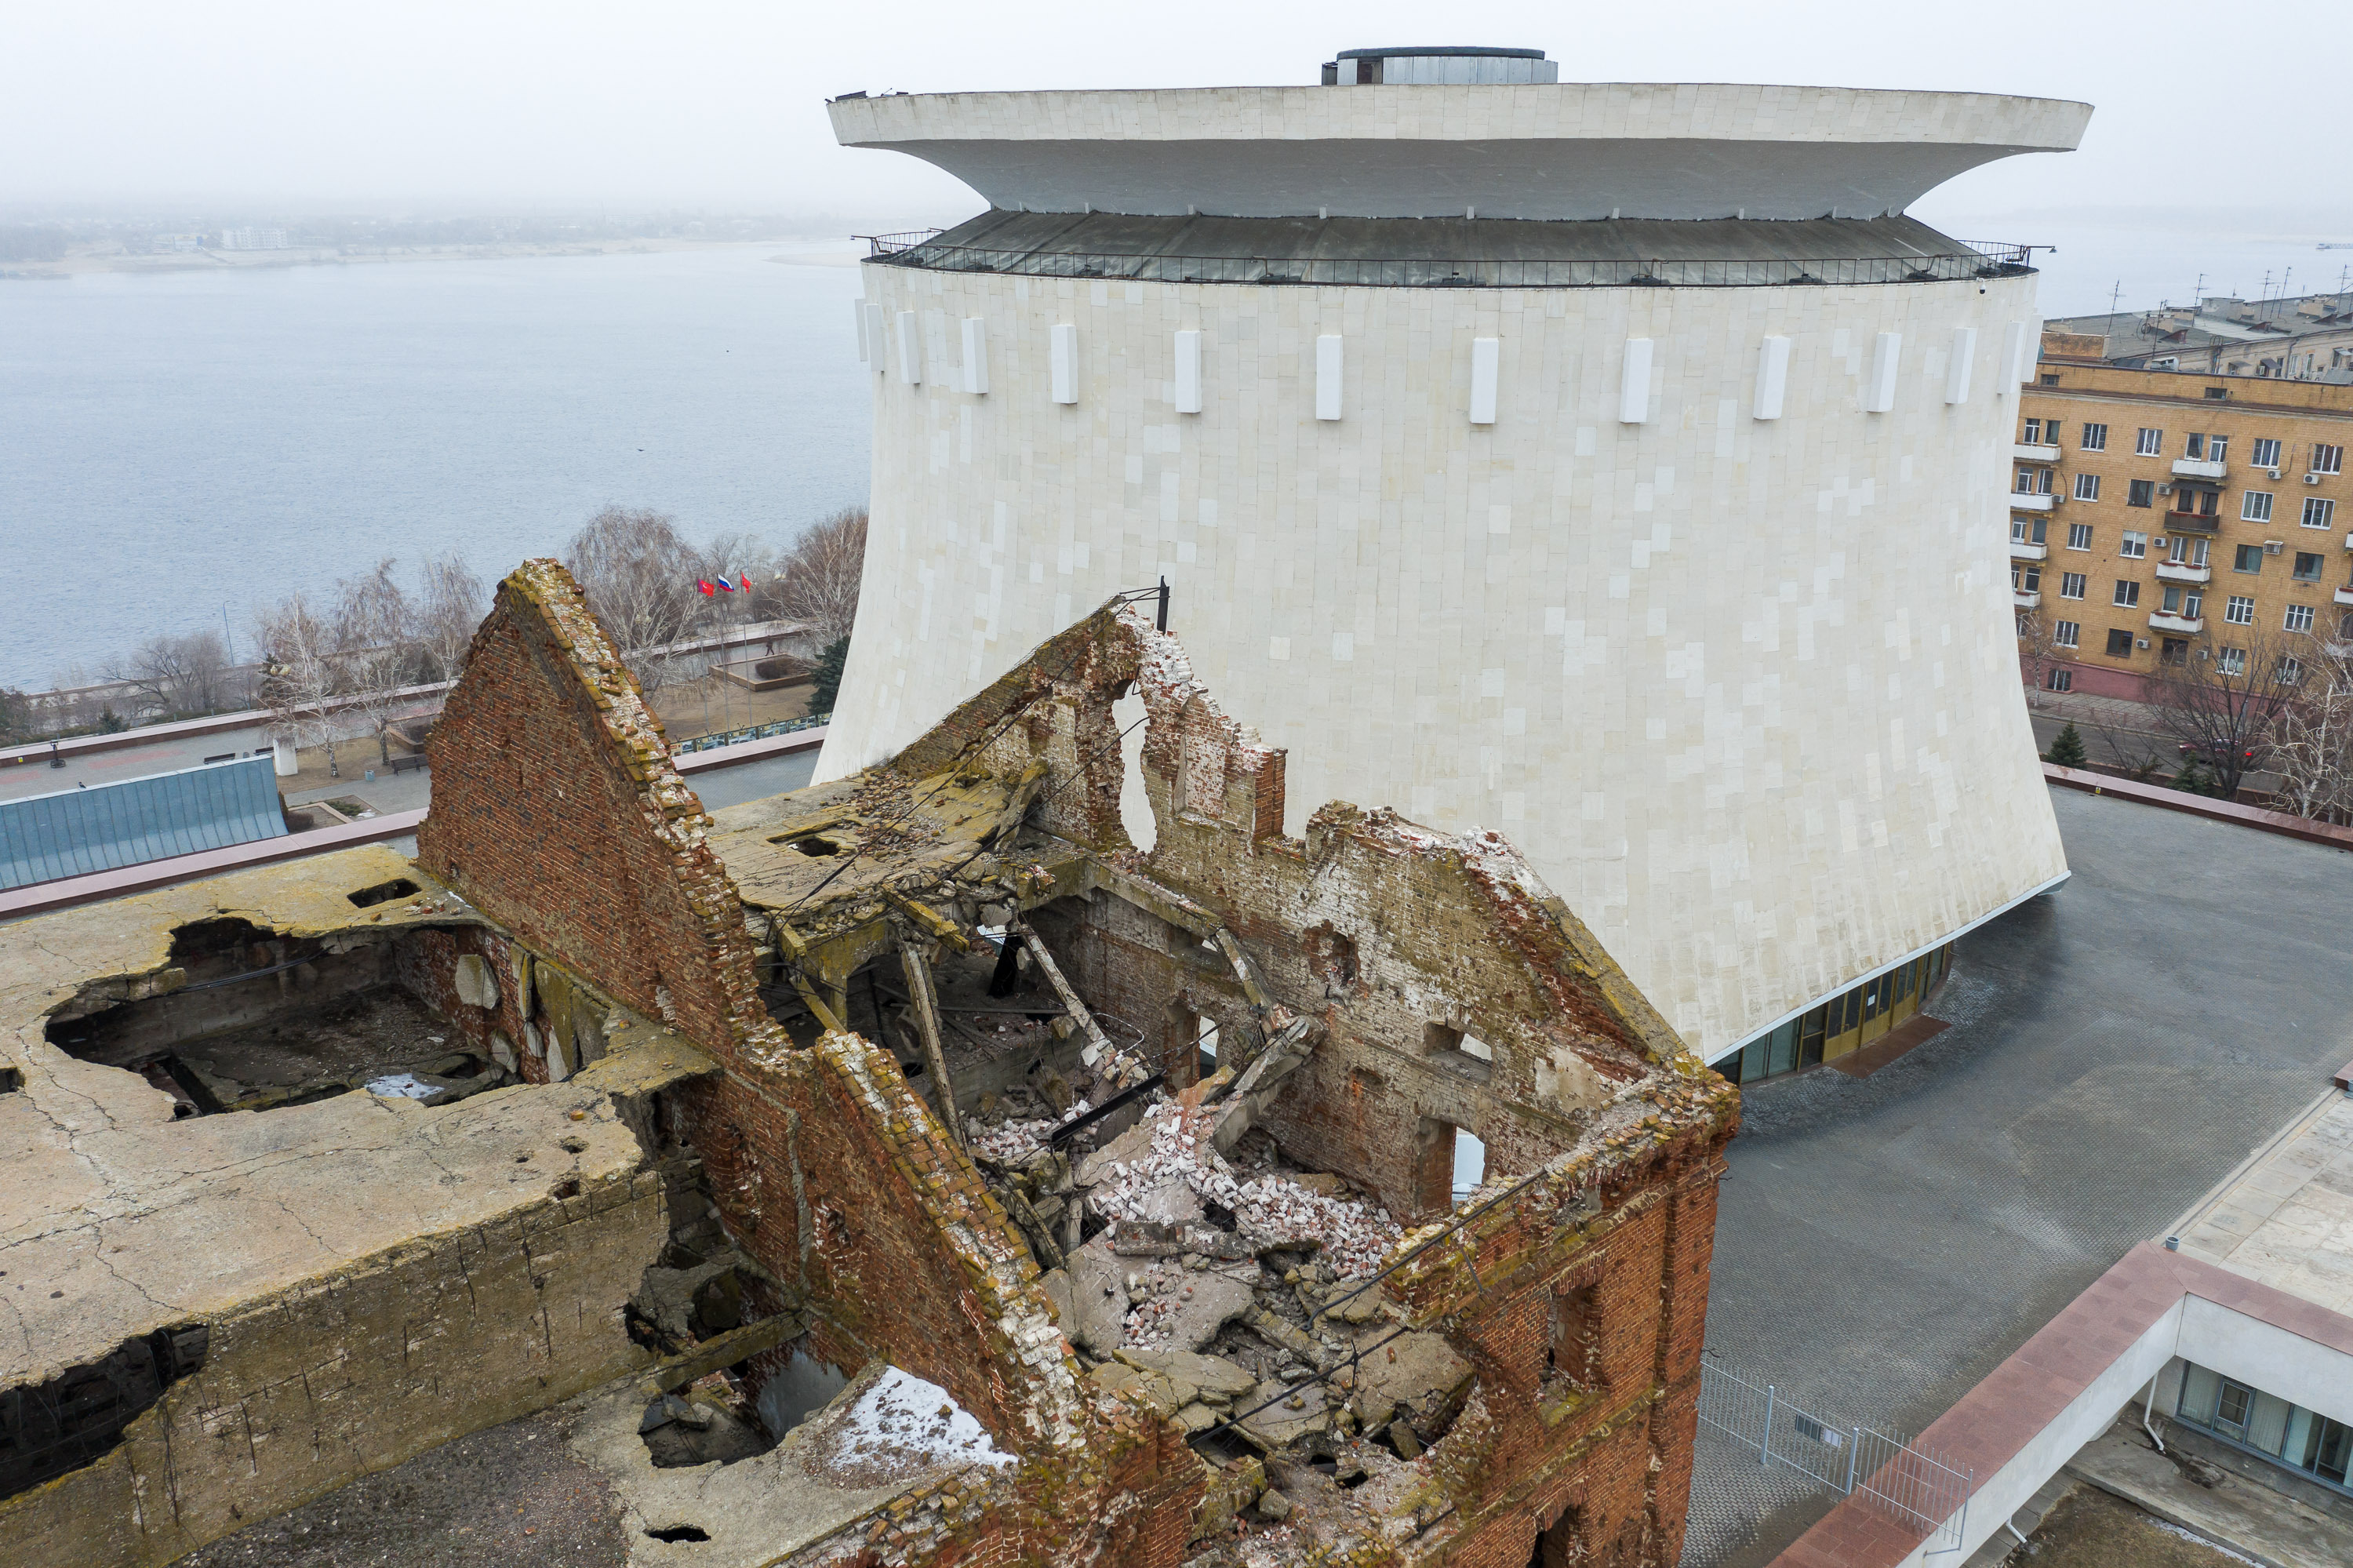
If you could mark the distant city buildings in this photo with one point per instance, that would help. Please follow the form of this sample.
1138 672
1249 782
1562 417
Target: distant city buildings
2156 515
2304 338
253 240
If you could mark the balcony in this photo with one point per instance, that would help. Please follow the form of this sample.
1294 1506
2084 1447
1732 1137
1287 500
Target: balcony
2019 550
2199 467
2160 621
2180 572
2345 596
2025 601
2191 522
2020 502
2025 453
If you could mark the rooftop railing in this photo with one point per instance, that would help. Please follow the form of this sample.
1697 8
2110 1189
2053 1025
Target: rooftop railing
1978 260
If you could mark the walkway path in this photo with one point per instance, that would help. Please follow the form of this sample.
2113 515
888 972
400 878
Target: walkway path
2116 1048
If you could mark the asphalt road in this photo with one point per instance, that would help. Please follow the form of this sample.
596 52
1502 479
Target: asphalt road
2118 1047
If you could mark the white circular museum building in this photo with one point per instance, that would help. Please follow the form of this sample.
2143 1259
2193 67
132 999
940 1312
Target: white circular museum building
1616 466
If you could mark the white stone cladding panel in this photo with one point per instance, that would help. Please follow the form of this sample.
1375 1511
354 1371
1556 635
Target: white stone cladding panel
1744 691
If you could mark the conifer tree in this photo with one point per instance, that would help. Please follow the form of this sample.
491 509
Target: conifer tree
2067 749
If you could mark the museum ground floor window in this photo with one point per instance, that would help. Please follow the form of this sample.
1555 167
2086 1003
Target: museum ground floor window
2284 1434
1846 1022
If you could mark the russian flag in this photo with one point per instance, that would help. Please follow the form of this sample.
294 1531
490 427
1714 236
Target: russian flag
725 586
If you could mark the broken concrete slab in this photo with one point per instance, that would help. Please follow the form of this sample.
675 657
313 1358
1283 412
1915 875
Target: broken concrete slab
1097 1318
1210 1379
1416 1373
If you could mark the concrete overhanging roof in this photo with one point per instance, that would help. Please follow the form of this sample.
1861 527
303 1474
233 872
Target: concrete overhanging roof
1548 151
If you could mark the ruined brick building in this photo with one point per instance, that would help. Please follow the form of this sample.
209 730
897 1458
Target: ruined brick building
912 1169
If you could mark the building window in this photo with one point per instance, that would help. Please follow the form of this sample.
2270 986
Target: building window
2288 1434
1576 1350
2232 661
2050 381
2067 634
2034 433
2267 452
2308 565
2133 545
2217 448
2095 438
2317 510
2241 611
2026 578
2120 644
2327 460
2141 493
2028 530
2034 481
2255 506
2299 617
2247 558
2187 552
2194 445
2071 586
2127 593
2171 603
2151 443
2173 650
2079 536
2060 681
2087 487
2194 606
2288 672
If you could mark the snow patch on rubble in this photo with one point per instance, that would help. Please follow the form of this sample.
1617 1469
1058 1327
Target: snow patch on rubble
1268 1208
900 1426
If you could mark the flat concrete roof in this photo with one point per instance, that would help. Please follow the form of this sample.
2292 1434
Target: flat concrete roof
2286 1217
1537 150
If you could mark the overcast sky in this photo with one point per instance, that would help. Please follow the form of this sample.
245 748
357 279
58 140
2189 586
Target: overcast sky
496 104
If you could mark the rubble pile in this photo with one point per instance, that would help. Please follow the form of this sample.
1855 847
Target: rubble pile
1269 1209
1010 1142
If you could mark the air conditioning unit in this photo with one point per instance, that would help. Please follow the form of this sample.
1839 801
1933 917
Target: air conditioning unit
2312 479
2159 541
2274 474
2273 547
2165 490
2140 641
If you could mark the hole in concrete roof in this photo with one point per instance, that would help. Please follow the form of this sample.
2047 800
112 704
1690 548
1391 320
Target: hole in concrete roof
680 1532
816 846
383 892
11 1080
49 1428
567 1188
570 1145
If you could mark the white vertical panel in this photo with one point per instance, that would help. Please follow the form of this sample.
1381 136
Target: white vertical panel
1327 377
858 314
1486 356
1965 358
1062 361
1188 372
910 352
1886 354
2013 359
1772 377
976 354
1634 383
870 336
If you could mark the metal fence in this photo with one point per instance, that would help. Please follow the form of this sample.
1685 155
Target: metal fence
749 732
1907 1484
1975 260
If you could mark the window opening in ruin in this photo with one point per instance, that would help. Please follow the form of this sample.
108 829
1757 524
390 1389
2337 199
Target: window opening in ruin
1562 1544
1470 1163
384 893
1465 1055
1135 805
1332 957
1205 1039
49 1428
1575 1352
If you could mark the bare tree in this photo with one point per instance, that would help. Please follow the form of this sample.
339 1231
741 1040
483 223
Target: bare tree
298 677
176 677
450 607
2311 741
640 578
2039 651
822 572
377 652
2220 701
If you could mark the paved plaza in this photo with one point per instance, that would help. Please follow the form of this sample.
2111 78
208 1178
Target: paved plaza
2117 1047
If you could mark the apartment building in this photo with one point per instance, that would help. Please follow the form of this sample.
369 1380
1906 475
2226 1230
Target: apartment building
2155 515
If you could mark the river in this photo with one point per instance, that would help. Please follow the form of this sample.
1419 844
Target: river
180 447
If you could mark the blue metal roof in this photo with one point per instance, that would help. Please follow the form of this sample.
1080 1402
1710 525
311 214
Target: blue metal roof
76 832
